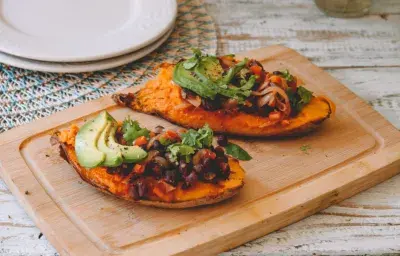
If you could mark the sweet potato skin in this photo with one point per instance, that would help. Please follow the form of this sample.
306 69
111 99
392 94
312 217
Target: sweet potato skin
118 184
163 98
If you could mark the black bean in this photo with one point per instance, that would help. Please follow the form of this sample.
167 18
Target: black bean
211 105
135 192
222 140
183 167
191 179
158 146
277 73
209 176
225 168
219 151
141 188
207 162
171 177
198 168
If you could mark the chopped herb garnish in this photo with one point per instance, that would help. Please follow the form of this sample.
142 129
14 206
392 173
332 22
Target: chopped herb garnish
299 99
132 130
305 148
191 140
286 74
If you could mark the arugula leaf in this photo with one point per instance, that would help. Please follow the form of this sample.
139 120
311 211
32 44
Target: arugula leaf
233 71
250 83
196 52
131 130
305 95
181 150
286 74
193 61
198 139
299 99
237 152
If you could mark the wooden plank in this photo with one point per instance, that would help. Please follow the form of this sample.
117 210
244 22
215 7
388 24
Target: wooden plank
369 155
369 41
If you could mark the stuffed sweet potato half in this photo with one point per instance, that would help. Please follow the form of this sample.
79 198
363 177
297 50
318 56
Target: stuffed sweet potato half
233 97
160 168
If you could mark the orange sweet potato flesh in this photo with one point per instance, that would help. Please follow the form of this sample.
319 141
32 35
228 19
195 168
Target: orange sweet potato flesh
118 185
163 98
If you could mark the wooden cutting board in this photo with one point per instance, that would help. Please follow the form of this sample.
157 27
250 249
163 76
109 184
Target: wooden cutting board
351 152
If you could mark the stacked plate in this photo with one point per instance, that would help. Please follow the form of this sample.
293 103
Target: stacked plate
80 36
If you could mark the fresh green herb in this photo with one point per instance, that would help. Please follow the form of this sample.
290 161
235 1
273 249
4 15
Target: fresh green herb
132 130
249 84
286 74
198 139
181 150
237 152
203 74
165 141
191 140
305 148
299 99
233 71
193 61
305 95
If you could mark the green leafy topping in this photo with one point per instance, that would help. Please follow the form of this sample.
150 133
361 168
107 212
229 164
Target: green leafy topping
203 74
191 140
165 141
299 99
305 148
305 95
198 139
178 149
286 74
193 61
249 84
233 71
237 152
131 130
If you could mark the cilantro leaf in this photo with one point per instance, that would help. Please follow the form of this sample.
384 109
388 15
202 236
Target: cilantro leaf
237 152
286 74
178 149
131 130
198 139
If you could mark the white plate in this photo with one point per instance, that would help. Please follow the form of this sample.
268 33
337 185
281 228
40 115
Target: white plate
76 67
81 30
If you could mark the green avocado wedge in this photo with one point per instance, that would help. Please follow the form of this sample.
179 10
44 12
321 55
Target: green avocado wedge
88 154
130 154
113 156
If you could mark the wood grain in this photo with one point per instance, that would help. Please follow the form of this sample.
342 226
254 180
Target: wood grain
355 150
19 236
369 41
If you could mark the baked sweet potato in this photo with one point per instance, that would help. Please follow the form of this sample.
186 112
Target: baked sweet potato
162 97
119 183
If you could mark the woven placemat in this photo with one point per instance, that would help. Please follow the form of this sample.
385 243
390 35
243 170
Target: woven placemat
27 95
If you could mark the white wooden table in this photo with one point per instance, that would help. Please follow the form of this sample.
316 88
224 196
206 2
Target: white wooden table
364 54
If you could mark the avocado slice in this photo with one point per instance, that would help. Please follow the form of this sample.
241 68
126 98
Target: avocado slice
113 156
130 154
186 79
88 154
209 68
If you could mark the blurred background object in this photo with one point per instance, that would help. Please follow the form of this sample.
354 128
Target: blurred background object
344 8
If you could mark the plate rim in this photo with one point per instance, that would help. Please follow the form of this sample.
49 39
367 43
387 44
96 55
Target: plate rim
79 67
10 37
